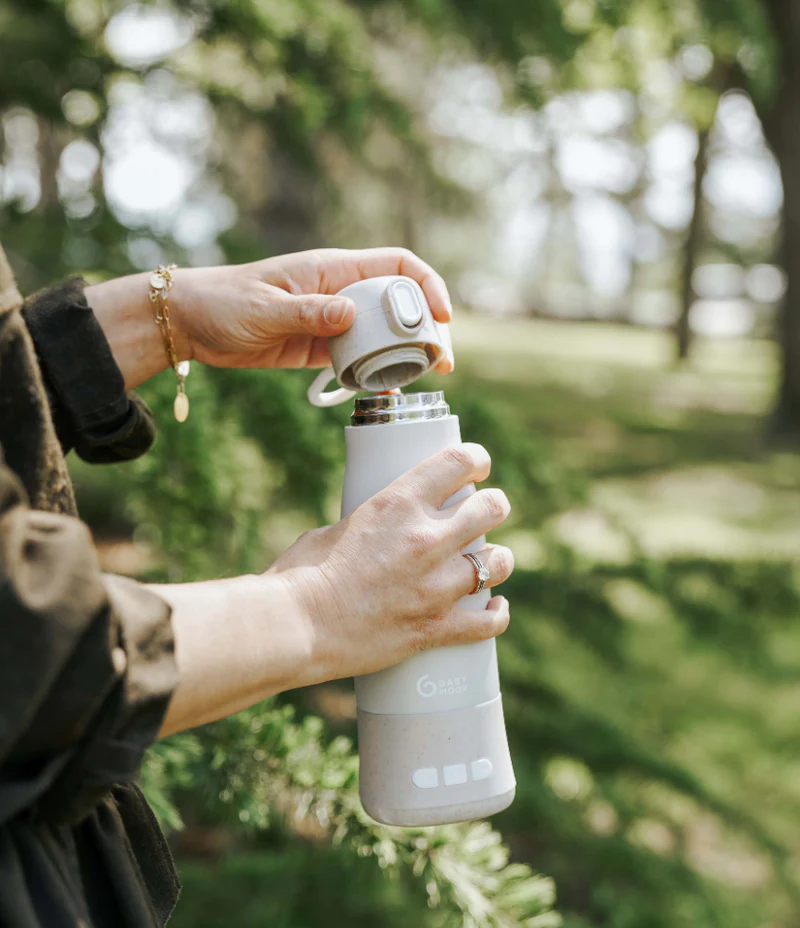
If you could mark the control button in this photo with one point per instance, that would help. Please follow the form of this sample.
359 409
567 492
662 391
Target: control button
455 774
425 778
405 304
481 769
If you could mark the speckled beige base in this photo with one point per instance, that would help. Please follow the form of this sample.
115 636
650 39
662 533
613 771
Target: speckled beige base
392 747
464 812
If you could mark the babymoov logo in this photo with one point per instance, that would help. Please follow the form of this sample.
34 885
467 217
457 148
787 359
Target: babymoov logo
449 687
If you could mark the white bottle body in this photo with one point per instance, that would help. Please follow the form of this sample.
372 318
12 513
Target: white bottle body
440 710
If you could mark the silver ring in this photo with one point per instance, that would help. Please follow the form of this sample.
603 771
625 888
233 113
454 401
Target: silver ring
481 573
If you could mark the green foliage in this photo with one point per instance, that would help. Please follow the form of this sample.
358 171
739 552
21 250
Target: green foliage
740 32
262 770
44 57
270 886
649 697
615 675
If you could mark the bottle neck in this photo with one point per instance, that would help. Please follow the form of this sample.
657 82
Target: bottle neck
399 407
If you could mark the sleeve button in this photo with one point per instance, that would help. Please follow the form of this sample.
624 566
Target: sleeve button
120 661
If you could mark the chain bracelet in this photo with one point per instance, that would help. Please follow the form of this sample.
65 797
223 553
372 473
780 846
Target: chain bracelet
160 285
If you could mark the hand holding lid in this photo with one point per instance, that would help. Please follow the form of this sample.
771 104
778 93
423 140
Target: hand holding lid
392 342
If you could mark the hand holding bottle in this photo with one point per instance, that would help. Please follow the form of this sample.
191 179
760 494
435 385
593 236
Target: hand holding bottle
384 583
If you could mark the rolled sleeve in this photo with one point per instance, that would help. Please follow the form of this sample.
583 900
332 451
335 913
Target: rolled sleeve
91 411
87 666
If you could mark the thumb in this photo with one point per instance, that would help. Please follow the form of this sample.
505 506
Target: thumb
315 314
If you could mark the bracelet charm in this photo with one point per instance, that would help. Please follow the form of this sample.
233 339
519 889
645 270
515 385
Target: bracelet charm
160 285
181 405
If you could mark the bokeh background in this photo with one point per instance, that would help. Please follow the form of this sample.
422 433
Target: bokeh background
612 191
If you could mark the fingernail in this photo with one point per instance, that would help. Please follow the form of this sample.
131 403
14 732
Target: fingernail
336 312
447 365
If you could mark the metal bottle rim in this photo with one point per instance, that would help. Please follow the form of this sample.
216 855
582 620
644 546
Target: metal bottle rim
399 407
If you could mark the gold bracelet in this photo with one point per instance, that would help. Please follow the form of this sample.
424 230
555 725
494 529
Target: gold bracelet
160 285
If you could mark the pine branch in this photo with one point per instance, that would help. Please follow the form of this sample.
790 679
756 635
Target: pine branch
265 770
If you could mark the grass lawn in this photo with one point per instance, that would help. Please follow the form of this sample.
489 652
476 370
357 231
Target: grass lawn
674 454
654 665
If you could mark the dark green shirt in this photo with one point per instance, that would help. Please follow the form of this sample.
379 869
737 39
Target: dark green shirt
86 659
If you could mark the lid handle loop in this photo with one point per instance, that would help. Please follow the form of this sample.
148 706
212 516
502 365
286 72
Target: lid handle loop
317 395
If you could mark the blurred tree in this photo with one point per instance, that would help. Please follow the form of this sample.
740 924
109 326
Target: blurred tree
754 43
306 114
779 117
718 82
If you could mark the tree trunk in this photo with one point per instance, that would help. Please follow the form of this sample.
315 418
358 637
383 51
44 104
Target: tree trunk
691 248
782 129
49 157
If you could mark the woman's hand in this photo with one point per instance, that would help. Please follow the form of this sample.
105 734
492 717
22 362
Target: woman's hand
278 312
384 583
355 597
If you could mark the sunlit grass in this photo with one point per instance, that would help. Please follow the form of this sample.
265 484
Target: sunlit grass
706 670
677 454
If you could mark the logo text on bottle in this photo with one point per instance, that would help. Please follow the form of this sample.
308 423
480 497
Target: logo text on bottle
449 686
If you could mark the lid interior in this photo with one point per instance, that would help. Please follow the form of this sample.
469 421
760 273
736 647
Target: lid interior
390 369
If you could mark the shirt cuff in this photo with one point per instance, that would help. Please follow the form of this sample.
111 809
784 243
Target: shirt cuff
91 411
143 674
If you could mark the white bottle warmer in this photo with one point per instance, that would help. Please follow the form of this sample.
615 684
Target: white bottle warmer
431 734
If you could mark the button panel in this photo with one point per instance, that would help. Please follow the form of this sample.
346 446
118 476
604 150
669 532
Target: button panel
455 774
425 778
481 769
452 774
